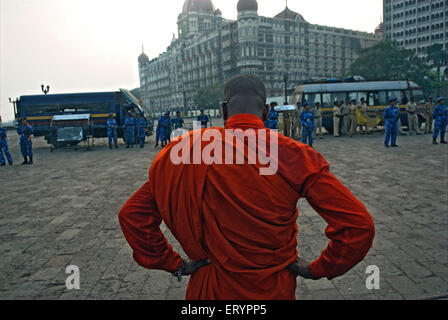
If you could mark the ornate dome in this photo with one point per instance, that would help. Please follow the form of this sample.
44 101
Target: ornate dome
247 5
289 15
143 58
198 6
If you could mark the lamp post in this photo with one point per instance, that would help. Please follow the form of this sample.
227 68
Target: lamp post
286 78
14 103
45 90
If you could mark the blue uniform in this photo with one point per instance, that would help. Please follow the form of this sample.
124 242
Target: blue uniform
178 123
307 121
26 144
204 120
112 131
391 115
440 121
159 130
130 124
166 130
4 147
272 122
142 124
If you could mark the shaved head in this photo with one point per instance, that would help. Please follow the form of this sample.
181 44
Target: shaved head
245 93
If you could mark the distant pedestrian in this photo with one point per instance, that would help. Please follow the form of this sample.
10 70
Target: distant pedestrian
346 118
142 124
159 131
337 115
130 125
353 118
412 109
272 122
203 119
112 131
429 120
4 147
362 116
166 129
317 111
25 131
391 116
440 116
307 120
178 121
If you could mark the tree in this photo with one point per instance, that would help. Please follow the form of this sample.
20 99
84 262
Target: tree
436 56
386 61
209 97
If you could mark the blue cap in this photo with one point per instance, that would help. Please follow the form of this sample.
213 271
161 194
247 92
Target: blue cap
202 109
393 100
167 113
440 99
306 104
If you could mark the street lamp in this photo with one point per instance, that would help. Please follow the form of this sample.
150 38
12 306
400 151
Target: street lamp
45 90
14 103
286 78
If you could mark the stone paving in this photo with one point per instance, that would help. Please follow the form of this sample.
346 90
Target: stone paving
63 211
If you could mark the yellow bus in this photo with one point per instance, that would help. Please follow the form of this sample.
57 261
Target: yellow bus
375 93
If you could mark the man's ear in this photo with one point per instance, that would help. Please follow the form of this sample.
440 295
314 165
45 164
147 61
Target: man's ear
225 110
265 112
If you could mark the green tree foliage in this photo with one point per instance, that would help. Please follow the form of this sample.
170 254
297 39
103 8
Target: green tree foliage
436 57
386 61
209 97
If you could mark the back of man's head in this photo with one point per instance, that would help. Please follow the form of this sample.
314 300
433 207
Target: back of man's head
244 93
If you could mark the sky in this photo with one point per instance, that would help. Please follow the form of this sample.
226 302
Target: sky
93 45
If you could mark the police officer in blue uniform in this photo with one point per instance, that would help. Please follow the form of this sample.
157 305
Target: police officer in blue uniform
159 131
166 129
440 121
142 124
130 124
4 147
203 119
272 122
307 121
391 116
25 131
178 122
112 131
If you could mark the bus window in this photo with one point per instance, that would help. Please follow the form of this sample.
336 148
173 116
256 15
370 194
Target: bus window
327 100
339 97
399 95
312 98
357 96
377 98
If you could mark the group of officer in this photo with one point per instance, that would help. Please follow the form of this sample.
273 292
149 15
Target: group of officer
349 116
25 131
166 125
135 130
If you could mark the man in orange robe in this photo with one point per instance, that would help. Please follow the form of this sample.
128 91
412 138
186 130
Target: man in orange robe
238 227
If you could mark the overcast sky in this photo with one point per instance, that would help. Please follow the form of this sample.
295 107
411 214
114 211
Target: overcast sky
93 45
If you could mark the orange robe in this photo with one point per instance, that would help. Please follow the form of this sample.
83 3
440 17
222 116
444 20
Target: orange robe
245 223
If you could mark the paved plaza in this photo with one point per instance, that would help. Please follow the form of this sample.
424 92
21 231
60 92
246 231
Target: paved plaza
63 211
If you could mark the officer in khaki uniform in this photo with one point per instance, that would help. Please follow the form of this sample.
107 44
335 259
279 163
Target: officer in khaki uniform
317 111
412 109
337 115
429 120
299 123
354 119
346 120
